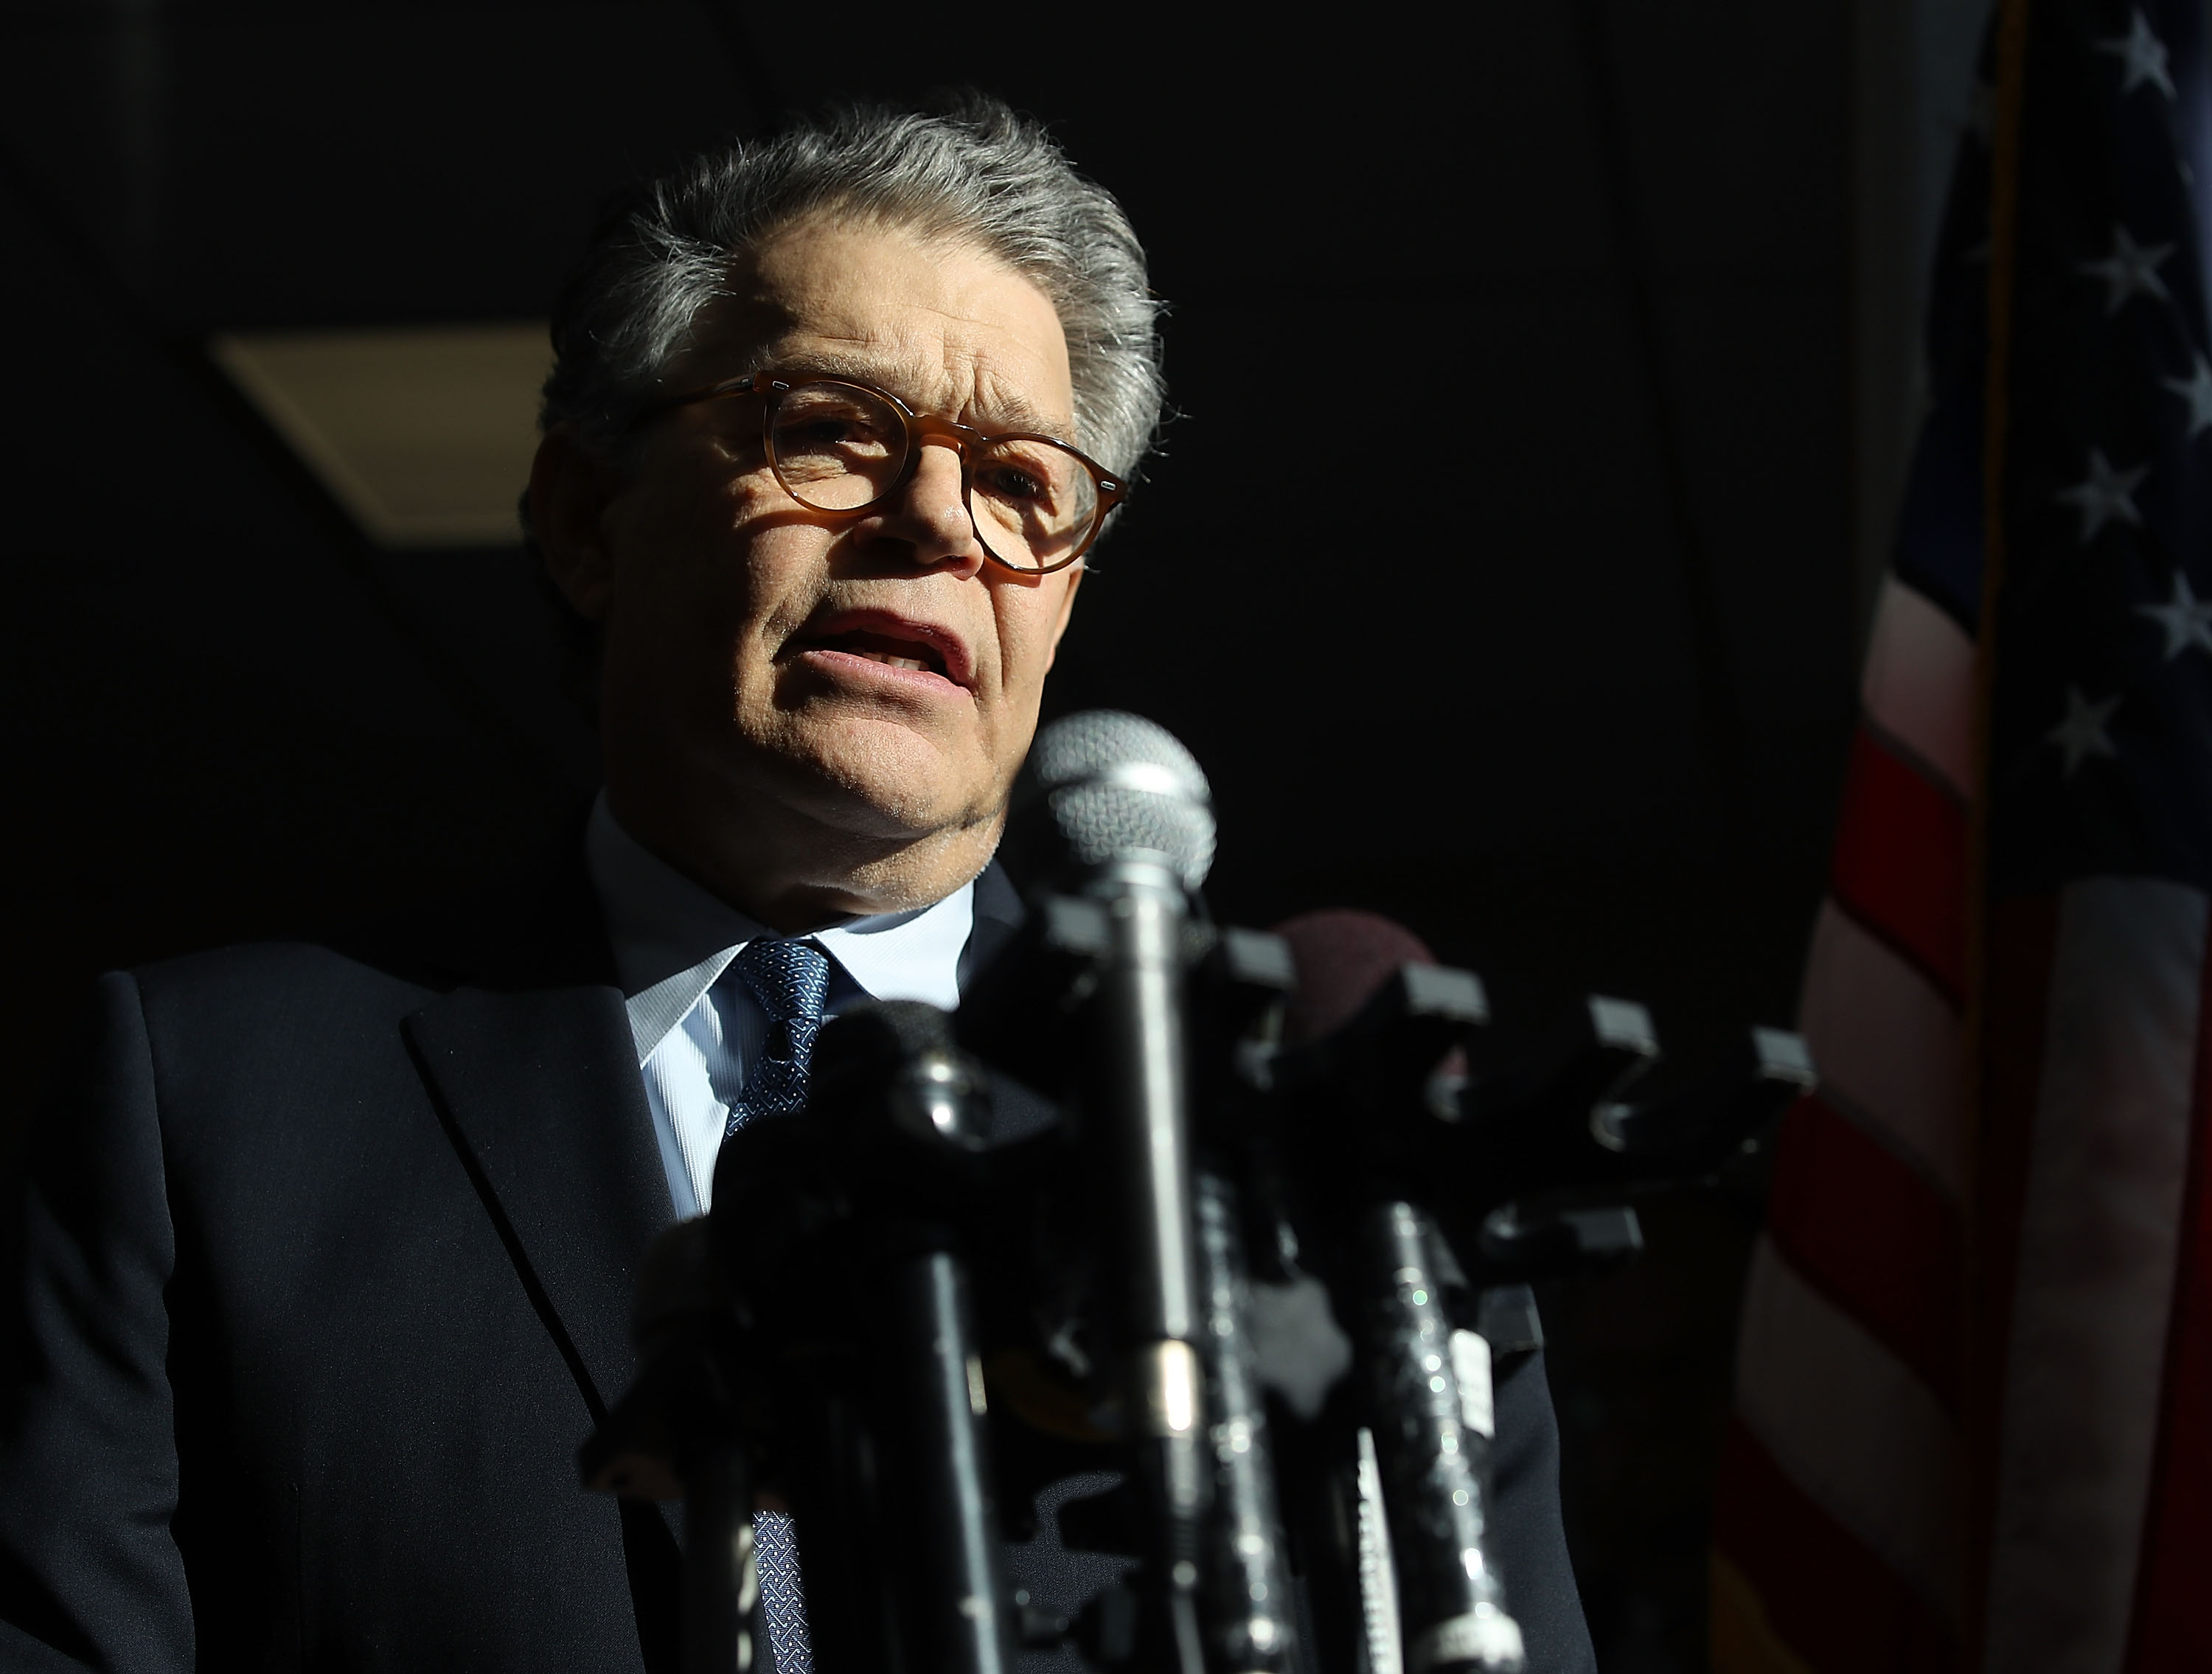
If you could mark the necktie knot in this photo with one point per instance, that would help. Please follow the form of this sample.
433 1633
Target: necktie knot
787 980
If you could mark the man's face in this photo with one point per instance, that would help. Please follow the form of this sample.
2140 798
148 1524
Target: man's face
876 674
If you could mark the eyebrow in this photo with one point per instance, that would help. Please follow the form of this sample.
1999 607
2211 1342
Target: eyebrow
1015 412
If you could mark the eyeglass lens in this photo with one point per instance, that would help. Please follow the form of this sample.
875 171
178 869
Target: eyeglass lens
837 448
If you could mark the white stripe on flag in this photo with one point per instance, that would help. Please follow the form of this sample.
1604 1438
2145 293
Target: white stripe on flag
2100 1229
1851 1425
1918 686
1888 1044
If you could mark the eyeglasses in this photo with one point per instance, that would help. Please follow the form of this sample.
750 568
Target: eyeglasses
843 446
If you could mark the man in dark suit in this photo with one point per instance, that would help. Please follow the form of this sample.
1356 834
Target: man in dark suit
325 1263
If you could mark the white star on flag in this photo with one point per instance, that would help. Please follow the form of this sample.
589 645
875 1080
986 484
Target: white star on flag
2196 391
2104 494
2186 620
2082 734
2142 54
2131 269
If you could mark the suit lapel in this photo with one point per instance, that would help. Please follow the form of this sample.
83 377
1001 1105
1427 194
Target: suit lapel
539 1090
541 1093
998 914
1016 1111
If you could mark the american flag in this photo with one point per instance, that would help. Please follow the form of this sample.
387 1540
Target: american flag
1973 1414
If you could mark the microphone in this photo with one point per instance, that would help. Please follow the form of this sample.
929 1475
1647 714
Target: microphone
1251 1613
1425 1383
1113 788
682 1431
1525 1159
1344 957
1112 809
909 1115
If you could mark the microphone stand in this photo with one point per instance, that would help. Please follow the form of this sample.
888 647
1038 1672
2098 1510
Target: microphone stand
1362 1115
1526 1162
816 1333
1137 1119
1093 999
900 1118
688 1428
1237 1001
1251 1613
919 1131
1432 1446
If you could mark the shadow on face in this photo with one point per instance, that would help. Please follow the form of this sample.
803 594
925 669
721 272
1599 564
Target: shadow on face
796 698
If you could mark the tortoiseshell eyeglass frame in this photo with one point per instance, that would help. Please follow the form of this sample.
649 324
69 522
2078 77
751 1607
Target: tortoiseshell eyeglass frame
919 426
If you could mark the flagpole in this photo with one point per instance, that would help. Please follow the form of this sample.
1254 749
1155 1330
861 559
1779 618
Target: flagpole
1982 1349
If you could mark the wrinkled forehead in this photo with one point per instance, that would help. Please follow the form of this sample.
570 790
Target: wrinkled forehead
945 326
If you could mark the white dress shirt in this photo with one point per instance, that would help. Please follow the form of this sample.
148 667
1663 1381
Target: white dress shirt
698 1037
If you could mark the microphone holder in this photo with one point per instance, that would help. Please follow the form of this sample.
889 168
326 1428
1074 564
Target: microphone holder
834 1297
688 1428
1366 1111
819 1337
1521 1162
1091 1003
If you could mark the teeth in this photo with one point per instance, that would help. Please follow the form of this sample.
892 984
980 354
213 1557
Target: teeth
887 658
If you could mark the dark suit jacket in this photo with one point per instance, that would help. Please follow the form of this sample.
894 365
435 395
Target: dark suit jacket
323 1271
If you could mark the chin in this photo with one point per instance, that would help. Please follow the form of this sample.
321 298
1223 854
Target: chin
889 779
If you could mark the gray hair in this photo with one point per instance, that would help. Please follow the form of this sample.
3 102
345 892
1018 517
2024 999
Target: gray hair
972 170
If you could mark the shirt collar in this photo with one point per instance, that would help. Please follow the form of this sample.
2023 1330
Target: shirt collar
673 938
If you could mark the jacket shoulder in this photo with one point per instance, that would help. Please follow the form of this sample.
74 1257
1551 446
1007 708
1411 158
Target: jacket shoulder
243 1020
285 976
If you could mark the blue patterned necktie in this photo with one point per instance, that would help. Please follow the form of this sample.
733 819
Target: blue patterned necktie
787 980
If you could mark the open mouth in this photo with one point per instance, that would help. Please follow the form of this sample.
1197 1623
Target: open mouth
888 649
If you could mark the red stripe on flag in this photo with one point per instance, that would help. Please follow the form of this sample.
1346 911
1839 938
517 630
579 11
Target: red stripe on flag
1872 1234
1900 865
1832 1600
2172 1631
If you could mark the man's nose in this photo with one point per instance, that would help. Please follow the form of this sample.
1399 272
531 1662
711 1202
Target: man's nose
930 515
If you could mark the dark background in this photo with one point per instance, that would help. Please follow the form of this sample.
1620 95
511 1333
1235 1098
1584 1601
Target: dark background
1561 677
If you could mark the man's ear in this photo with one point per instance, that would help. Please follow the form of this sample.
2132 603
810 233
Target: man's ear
1067 609
569 494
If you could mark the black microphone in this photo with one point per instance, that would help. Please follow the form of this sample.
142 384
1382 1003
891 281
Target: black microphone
839 1239
682 1431
1425 1383
1110 807
1251 1611
908 1114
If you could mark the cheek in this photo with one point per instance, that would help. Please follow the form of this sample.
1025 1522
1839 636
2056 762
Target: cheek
713 561
1027 625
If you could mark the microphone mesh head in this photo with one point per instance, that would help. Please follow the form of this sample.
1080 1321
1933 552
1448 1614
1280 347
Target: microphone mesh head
1344 957
1112 782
